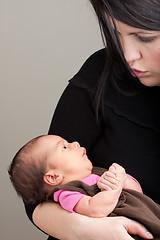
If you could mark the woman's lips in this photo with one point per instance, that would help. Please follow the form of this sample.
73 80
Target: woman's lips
138 74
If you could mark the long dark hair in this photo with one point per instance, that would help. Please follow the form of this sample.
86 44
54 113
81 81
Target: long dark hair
144 14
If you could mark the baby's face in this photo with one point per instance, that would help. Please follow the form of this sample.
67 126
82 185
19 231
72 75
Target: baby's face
69 158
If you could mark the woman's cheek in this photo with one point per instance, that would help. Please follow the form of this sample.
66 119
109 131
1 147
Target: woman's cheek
154 60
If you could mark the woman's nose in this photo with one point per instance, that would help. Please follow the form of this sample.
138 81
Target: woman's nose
131 52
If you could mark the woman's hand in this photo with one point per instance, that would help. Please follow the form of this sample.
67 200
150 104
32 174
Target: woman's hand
115 228
57 222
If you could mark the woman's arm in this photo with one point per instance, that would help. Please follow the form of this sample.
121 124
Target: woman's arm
54 220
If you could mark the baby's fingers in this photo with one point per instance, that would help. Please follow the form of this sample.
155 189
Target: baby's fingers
110 177
107 183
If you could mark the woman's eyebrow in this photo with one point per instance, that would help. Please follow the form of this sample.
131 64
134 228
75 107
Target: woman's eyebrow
141 32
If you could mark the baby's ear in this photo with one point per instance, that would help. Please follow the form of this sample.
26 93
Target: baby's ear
53 178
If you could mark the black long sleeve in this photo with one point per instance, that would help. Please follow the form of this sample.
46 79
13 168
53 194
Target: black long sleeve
74 118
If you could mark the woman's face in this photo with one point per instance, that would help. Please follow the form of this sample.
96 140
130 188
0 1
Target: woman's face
141 49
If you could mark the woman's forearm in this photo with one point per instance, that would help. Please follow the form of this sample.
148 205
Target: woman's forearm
54 220
57 222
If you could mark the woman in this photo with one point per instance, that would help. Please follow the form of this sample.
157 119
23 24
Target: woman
111 107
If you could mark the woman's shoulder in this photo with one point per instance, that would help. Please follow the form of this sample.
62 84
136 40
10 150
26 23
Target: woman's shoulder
90 71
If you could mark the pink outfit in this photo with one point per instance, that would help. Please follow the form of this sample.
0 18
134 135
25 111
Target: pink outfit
68 199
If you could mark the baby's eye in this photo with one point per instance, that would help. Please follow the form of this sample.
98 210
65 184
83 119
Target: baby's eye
64 147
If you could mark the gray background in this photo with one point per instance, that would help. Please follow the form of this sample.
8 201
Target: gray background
43 43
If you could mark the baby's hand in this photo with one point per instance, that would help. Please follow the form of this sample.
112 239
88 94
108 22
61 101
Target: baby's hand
108 180
121 175
113 178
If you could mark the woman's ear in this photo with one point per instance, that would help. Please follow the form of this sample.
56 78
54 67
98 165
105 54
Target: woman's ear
53 178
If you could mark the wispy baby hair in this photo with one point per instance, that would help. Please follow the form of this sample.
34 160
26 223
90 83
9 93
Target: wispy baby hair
27 170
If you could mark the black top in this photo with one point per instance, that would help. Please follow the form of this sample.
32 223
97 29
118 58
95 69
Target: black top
130 131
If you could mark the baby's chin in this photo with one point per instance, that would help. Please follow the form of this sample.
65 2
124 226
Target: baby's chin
90 165
89 169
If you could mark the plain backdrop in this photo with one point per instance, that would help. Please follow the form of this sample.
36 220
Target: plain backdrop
43 43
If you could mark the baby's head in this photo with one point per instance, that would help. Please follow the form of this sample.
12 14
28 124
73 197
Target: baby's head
45 162
27 170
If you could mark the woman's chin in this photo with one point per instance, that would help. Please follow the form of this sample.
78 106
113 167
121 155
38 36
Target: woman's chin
150 82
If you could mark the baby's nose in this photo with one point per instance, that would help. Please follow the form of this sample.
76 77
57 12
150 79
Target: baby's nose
75 144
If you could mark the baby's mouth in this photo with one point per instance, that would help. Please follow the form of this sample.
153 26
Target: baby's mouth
83 152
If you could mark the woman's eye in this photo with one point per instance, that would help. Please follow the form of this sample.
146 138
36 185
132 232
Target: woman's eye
64 147
146 39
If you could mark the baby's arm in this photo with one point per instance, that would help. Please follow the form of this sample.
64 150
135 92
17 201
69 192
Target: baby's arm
104 202
132 183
